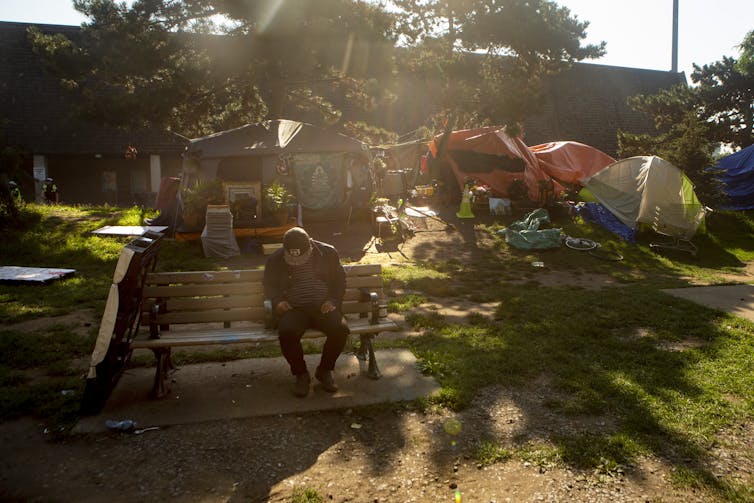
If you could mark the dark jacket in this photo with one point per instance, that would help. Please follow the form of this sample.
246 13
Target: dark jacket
326 263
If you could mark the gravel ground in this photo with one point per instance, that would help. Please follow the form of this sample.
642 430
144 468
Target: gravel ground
389 455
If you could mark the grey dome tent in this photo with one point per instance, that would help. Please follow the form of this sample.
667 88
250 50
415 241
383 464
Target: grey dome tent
649 190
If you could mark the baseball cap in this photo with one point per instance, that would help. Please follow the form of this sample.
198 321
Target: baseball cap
297 246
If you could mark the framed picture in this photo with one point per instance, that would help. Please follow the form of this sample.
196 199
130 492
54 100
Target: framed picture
236 191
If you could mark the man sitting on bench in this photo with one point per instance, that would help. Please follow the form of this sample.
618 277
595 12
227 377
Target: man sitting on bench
306 283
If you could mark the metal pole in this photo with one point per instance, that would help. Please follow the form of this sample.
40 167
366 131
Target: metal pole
674 64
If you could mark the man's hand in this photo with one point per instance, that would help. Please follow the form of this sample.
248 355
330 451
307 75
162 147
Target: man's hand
327 306
283 307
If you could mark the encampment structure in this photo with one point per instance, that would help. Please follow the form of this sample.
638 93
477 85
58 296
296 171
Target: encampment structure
570 162
736 174
325 170
491 157
649 190
586 103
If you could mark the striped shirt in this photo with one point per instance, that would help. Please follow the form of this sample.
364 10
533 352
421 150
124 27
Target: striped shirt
306 288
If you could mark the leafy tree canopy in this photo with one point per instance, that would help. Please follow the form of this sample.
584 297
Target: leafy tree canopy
516 42
170 63
167 63
692 120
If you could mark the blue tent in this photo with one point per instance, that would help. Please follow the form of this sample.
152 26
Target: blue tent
737 177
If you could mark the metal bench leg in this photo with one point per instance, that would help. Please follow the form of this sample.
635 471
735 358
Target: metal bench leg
161 385
366 351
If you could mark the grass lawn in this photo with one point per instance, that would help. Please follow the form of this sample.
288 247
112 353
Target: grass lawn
670 375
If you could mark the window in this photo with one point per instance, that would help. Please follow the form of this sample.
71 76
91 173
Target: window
138 181
109 181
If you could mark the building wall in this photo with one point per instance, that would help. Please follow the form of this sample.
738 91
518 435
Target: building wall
111 180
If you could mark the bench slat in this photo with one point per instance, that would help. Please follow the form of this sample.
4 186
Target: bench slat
364 282
355 293
206 290
203 303
204 277
363 269
251 334
212 310
210 316
237 288
251 298
243 275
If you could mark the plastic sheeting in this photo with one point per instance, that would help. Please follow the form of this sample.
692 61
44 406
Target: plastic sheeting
526 234
492 157
737 178
598 214
570 162
218 239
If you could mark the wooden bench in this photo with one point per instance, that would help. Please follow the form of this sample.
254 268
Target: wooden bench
200 308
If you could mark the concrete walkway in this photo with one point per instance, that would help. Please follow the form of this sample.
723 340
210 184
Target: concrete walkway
256 387
734 299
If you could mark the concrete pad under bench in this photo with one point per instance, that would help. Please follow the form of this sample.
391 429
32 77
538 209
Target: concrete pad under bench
257 387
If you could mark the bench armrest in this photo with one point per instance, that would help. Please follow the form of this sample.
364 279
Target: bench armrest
154 329
374 299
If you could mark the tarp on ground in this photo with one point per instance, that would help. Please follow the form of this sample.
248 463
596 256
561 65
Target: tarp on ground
492 157
596 213
649 190
570 162
527 234
737 178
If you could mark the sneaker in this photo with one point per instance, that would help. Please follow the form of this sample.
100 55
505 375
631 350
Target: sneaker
326 380
301 388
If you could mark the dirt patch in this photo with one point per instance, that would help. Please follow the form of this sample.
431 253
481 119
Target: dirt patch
587 281
345 456
456 310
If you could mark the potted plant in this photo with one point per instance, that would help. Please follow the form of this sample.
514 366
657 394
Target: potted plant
277 202
196 199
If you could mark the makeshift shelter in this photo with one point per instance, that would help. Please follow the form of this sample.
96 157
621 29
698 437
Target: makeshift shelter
649 190
395 169
492 157
570 162
736 173
324 168
169 205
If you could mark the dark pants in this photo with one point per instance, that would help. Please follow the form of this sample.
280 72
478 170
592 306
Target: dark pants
294 323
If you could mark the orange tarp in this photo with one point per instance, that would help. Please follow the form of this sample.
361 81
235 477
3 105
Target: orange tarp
493 141
570 162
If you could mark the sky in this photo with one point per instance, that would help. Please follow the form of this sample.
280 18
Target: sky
638 32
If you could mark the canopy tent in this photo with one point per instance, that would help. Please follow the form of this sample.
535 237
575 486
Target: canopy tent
570 162
327 169
650 190
492 157
737 177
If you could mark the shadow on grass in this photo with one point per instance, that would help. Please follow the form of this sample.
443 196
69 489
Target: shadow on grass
605 354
